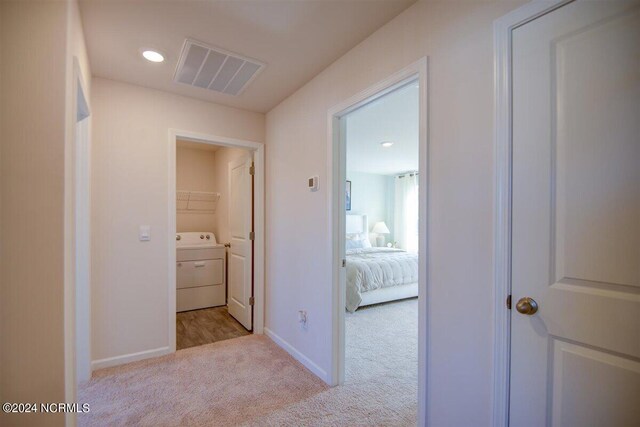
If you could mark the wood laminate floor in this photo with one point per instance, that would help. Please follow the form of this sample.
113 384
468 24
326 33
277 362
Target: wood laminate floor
205 326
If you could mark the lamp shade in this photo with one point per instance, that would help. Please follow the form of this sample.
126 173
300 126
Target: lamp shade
380 228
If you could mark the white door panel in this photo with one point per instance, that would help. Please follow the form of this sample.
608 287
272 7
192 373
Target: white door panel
241 251
237 290
603 386
576 216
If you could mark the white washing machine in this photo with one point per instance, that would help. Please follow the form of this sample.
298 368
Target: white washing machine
200 271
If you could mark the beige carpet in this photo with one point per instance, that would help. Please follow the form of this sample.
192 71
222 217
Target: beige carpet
251 381
381 378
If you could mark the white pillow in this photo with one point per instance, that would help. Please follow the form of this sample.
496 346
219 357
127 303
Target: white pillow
354 244
357 241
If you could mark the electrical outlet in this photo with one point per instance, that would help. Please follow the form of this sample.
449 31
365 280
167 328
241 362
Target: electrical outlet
302 317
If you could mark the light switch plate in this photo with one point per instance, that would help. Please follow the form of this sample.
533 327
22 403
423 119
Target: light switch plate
144 233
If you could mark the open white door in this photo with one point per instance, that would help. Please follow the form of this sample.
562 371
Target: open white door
576 217
240 254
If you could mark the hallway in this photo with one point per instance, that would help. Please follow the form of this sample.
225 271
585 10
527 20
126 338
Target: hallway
252 381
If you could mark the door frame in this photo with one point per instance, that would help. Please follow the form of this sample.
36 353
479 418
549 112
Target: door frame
82 147
502 48
258 216
336 177
77 238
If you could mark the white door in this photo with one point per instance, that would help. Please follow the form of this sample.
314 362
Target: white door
240 255
576 217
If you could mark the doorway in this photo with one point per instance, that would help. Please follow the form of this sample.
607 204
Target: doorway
381 245
214 225
413 76
216 202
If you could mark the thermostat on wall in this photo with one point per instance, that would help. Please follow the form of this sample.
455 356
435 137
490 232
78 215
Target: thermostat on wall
313 183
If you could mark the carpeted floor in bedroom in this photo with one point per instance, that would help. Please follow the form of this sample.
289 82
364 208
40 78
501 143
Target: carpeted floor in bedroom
251 381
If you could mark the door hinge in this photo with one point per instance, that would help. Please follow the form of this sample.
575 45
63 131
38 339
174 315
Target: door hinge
344 262
252 300
252 169
252 235
509 302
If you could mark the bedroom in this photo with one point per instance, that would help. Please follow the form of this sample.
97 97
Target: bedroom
381 238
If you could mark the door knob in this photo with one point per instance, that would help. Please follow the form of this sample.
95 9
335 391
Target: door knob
527 306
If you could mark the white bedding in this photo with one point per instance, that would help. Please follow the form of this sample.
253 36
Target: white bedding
369 269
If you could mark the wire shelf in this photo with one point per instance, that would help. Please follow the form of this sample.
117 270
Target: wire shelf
196 201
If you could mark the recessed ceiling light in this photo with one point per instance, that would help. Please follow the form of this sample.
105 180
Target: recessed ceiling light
153 56
386 144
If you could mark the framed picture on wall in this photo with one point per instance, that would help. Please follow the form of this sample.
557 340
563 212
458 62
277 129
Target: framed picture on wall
348 195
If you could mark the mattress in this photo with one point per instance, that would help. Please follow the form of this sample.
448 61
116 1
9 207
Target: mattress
370 269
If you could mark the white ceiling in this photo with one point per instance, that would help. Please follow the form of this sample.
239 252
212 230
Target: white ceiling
295 38
394 117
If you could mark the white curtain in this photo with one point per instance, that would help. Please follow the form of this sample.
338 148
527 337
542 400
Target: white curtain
405 229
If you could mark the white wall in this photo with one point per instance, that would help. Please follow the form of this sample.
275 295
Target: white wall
36 156
195 171
373 194
457 38
129 188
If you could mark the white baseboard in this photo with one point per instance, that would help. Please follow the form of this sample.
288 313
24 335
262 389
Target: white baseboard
308 363
128 358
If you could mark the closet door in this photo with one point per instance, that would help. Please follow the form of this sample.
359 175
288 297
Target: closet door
575 337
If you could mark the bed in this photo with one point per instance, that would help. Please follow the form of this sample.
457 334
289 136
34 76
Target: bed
376 274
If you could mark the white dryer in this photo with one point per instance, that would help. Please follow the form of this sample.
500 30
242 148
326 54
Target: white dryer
200 271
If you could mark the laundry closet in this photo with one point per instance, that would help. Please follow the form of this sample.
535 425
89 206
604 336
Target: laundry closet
213 197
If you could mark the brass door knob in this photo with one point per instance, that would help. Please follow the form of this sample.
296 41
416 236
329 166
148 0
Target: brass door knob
527 306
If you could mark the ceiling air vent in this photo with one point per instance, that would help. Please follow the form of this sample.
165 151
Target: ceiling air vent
215 69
